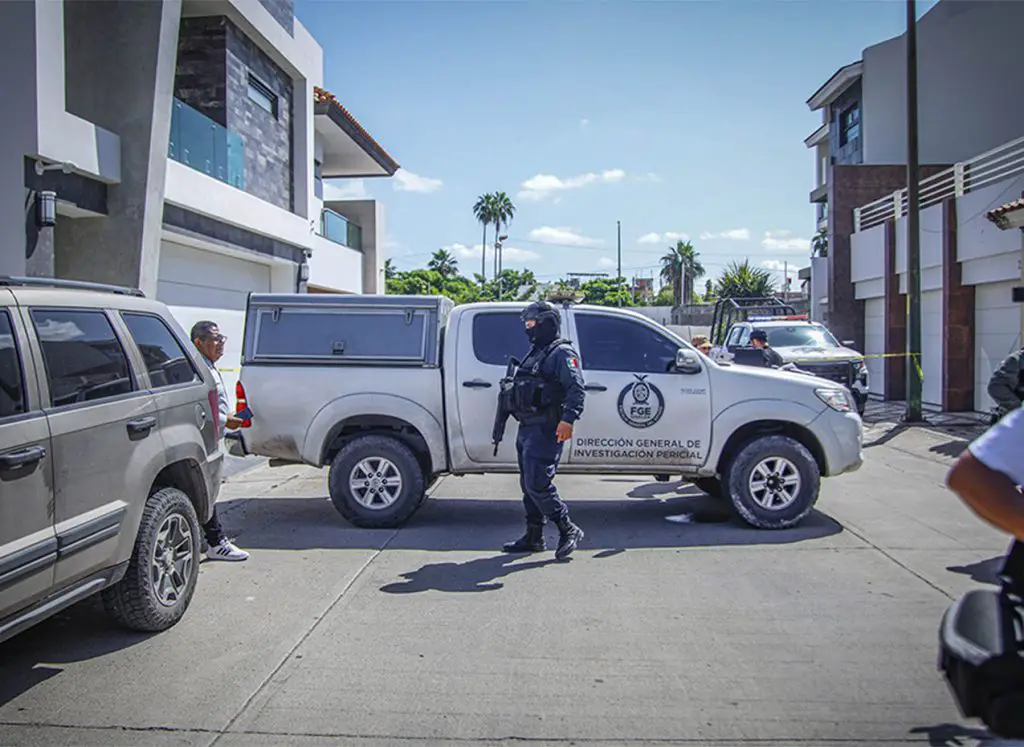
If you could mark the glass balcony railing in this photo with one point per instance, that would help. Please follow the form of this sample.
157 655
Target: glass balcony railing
202 144
340 230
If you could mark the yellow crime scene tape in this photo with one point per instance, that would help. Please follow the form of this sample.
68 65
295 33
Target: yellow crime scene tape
913 356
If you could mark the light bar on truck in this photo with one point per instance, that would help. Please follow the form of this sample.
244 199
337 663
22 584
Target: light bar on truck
786 318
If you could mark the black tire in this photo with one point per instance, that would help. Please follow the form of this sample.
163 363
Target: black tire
410 495
134 601
662 478
1005 717
754 453
710 485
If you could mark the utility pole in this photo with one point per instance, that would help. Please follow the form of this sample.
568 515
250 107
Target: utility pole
913 414
785 277
618 276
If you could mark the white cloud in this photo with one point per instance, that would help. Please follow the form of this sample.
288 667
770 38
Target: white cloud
509 254
406 181
650 176
779 241
350 189
792 270
562 235
391 243
606 262
668 236
545 185
736 234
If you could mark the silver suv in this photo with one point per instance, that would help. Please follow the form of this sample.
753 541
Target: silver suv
109 454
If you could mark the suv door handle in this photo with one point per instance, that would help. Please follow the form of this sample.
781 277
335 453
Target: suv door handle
14 459
141 426
477 384
596 388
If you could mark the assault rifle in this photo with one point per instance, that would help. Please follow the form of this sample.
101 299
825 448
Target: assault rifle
505 404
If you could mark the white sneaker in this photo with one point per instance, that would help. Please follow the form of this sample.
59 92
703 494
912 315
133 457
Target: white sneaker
226 551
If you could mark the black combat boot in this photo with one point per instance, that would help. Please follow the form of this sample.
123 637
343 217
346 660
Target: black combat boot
532 541
569 536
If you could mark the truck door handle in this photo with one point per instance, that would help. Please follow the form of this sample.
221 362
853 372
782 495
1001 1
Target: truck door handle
596 388
14 459
142 426
477 384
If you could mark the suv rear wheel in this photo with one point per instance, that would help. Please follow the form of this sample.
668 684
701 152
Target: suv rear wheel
164 568
376 482
773 482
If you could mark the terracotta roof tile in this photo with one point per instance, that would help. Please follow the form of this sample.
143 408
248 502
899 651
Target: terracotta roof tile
322 96
998 215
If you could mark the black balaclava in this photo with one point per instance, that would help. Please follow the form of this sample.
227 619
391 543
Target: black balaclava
548 323
544 332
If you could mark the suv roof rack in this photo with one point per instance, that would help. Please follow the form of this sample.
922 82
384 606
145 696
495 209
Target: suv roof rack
729 311
9 281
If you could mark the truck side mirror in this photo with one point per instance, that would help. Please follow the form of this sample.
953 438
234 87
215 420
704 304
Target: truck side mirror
687 361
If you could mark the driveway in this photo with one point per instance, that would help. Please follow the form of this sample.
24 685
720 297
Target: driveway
691 631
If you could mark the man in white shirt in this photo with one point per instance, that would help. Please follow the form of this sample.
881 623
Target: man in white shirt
988 475
209 341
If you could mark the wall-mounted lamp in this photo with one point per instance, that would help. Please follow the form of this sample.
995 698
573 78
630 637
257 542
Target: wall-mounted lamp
67 167
304 272
46 208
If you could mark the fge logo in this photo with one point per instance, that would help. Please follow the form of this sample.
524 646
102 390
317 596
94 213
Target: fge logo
641 404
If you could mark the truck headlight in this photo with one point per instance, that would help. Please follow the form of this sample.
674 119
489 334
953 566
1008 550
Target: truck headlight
837 399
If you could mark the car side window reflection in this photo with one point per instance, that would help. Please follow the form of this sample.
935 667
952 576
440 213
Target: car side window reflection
610 343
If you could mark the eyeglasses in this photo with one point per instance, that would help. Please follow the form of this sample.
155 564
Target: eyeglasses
216 338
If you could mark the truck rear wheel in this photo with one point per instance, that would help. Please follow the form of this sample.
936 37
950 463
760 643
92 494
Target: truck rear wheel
773 482
376 482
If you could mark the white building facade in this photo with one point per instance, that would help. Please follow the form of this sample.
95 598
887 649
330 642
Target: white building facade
187 142
971 156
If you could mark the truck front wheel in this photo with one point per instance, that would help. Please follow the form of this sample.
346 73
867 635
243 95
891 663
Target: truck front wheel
376 482
773 482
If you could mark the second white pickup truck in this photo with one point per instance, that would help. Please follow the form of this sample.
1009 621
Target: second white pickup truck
391 392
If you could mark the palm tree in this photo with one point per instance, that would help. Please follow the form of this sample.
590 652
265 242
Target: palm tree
740 280
819 244
502 213
681 267
482 210
672 274
443 263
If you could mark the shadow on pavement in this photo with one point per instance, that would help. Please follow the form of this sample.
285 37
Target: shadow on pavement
955 735
473 575
642 520
983 571
81 632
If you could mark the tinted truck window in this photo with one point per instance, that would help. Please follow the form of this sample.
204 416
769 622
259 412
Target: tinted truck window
12 392
166 361
497 336
613 344
84 360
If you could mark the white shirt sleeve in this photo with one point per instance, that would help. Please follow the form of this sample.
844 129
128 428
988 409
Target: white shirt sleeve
1001 447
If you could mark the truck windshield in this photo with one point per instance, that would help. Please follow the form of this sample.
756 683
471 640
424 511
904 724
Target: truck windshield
801 336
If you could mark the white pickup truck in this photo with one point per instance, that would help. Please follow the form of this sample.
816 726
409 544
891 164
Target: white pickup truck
392 392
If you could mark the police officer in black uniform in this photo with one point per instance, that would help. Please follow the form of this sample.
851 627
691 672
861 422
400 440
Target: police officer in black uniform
551 377
772 359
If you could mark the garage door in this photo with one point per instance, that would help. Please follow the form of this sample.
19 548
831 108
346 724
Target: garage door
874 343
931 346
199 285
997 333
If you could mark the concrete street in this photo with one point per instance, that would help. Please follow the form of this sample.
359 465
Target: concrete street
699 633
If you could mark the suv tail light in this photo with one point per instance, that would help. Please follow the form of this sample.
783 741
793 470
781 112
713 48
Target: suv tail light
241 403
215 412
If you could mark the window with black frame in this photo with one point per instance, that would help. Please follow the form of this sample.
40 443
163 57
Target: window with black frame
84 359
610 343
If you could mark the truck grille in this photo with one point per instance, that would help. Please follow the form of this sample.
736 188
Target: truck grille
838 372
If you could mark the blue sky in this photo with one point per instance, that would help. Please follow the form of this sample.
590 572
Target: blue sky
671 117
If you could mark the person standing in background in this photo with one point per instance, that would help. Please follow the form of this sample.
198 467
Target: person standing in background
209 341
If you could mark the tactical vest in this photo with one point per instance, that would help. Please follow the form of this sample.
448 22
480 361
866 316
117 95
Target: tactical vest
532 393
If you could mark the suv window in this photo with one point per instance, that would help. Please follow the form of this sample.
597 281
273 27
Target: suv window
84 360
498 336
12 390
612 344
168 364
743 338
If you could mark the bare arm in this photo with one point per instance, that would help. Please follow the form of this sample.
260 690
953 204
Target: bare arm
989 494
